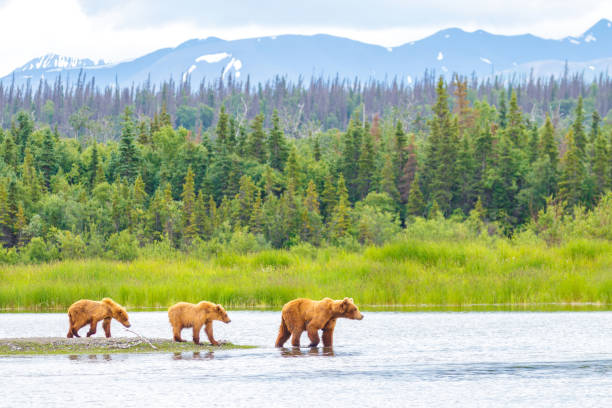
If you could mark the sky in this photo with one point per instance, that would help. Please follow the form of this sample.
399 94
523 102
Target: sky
116 30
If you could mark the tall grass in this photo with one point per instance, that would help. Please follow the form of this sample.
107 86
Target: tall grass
404 272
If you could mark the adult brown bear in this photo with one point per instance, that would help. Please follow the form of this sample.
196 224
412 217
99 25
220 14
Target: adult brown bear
90 312
312 316
185 314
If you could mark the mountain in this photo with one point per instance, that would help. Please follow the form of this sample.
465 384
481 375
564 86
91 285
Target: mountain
299 56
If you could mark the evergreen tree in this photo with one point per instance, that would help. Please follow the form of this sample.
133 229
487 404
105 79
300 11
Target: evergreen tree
311 218
366 167
515 125
328 197
292 170
548 144
416 203
128 155
441 152
503 110
339 222
9 152
533 144
578 129
29 178
572 173
188 197
222 131
244 201
387 180
595 128
316 149
600 164
408 172
93 165
47 162
277 146
5 220
256 146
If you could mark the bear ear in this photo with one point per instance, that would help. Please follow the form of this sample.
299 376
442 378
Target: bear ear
218 308
346 300
351 299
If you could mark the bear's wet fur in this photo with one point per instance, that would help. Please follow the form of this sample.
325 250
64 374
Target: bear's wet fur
314 315
84 312
183 315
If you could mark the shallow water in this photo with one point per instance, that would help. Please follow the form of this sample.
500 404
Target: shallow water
388 359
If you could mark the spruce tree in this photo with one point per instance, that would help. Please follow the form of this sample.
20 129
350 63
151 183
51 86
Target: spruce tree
222 131
548 144
595 128
416 202
503 110
188 197
328 197
339 223
128 156
277 146
600 164
578 129
48 161
366 167
515 125
256 145
572 173
408 172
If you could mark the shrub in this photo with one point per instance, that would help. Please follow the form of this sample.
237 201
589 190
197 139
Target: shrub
38 250
122 246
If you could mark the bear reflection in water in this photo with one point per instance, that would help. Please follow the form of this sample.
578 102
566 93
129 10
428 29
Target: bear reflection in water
89 357
312 351
195 356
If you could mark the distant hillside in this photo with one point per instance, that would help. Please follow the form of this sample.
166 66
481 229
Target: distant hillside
299 56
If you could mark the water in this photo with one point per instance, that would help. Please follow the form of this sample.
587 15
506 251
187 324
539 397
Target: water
389 359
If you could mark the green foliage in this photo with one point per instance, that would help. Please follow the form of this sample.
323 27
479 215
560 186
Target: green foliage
122 246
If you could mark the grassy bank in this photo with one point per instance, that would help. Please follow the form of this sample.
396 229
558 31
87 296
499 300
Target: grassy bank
60 345
405 272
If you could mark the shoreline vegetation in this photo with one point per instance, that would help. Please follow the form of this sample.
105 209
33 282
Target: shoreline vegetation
94 346
444 272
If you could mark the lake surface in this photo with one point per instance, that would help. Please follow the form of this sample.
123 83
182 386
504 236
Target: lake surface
389 359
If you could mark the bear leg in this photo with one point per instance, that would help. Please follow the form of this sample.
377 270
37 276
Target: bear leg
176 332
196 333
209 333
283 334
93 326
295 338
313 335
328 333
106 324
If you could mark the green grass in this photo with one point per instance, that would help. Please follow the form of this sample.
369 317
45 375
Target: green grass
405 272
48 346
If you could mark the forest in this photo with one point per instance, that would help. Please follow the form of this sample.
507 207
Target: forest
115 173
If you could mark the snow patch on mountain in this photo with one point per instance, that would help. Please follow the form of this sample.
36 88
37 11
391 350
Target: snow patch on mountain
589 38
212 58
485 60
440 56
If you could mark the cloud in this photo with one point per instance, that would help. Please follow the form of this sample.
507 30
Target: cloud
498 16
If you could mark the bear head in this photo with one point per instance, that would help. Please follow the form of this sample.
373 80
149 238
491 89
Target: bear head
220 314
346 308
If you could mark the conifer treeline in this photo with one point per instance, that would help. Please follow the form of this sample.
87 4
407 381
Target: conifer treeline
363 184
80 109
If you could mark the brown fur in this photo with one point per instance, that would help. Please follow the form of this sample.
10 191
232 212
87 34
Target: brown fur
185 314
90 312
312 316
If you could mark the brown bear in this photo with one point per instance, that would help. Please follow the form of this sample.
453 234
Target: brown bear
90 312
185 314
312 316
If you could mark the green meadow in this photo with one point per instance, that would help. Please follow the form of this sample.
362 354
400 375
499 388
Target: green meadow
405 272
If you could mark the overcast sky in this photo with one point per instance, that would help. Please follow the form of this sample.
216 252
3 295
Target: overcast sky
115 30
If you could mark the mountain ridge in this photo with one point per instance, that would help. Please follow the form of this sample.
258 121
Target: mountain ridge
297 56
